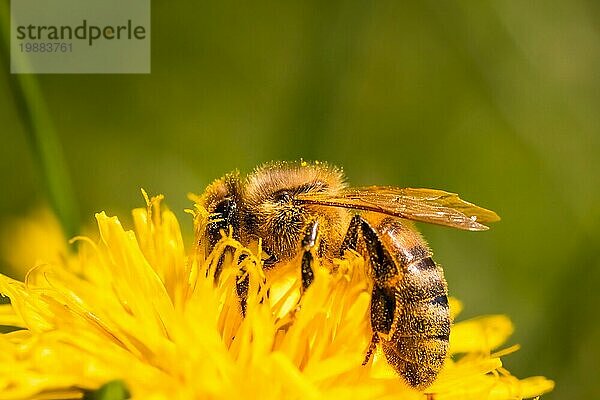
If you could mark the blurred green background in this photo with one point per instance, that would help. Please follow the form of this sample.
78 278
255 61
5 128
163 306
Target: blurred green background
496 100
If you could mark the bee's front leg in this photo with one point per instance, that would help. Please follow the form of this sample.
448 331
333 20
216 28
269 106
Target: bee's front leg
242 284
309 241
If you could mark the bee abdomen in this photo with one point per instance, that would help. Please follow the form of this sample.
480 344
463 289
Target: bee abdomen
422 298
418 361
418 346
424 320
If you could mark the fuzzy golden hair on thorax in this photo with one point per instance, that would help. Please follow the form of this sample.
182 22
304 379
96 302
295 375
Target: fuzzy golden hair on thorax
272 215
295 177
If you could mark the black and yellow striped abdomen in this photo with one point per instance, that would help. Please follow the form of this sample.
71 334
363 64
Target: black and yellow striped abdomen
418 345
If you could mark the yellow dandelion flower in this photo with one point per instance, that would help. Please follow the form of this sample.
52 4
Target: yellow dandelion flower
135 306
27 241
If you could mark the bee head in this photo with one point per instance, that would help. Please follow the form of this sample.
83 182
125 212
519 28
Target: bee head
222 200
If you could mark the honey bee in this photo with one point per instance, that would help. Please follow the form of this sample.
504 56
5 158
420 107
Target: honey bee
306 209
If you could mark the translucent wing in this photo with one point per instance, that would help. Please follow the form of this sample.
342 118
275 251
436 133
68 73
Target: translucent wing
424 205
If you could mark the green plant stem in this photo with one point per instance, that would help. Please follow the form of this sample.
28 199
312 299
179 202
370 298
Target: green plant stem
41 136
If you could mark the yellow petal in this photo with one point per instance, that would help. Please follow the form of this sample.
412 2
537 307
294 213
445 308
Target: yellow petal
9 317
481 334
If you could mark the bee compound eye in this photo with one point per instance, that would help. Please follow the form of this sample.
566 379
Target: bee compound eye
222 206
223 214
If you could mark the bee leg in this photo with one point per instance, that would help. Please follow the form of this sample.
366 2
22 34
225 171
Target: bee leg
372 347
383 300
383 305
242 284
219 267
242 280
308 243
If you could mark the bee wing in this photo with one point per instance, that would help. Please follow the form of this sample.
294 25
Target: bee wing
424 205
